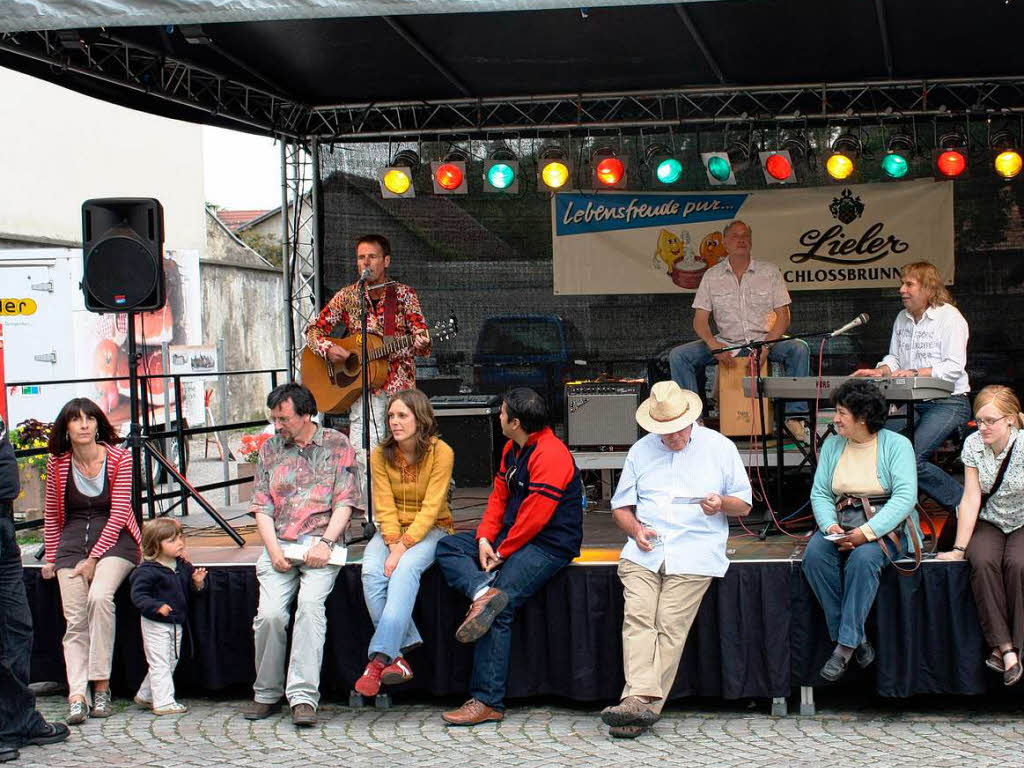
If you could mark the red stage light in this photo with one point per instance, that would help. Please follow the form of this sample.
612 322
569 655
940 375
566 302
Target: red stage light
610 170
778 167
951 163
448 176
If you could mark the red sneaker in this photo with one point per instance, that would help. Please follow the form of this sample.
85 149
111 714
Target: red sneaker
369 683
397 672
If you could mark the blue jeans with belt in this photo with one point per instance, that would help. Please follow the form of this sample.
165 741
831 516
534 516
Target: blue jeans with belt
846 583
934 421
18 715
524 572
687 359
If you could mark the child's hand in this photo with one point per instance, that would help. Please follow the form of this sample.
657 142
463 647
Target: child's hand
164 610
198 577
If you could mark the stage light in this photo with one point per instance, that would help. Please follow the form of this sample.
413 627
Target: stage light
846 148
899 147
777 167
894 165
839 166
501 172
396 180
666 168
1006 158
718 168
950 155
1008 163
608 170
552 168
555 174
449 174
951 163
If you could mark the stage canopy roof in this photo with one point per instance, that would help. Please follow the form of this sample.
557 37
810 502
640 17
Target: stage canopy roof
344 70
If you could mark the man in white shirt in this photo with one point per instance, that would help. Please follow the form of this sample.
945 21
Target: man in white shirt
749 301
677 487
929 338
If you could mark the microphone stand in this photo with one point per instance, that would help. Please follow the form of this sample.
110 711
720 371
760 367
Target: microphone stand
756 349
364 374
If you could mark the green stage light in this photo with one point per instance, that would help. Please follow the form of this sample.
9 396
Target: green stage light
669 171
894 165
719 168
501 176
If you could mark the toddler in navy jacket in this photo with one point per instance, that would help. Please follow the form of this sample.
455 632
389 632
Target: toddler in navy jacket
160 590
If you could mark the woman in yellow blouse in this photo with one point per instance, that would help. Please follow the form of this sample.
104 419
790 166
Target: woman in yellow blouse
411 471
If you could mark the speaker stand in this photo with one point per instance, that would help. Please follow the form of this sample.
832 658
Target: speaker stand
137 445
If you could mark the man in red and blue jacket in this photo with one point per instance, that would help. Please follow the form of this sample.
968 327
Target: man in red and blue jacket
532 528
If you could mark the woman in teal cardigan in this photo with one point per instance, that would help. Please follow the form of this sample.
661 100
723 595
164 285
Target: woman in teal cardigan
862 460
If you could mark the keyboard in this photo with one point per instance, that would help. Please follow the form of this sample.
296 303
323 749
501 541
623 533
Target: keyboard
805 387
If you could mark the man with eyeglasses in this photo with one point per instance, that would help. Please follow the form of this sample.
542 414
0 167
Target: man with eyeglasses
306 483
929 338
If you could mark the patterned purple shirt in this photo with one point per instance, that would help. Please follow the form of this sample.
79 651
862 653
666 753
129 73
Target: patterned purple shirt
299 488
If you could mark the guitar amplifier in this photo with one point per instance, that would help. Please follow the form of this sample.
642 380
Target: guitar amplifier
602 414
470 425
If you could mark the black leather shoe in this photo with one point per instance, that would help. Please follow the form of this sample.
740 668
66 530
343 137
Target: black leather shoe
834 668
8 753
864 655
48 733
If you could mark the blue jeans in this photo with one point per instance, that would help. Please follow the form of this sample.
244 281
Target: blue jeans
934 421
525 572
18 715
687 359
846 584
390 600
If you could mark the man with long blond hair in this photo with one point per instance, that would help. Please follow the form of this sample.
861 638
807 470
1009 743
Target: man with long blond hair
929 338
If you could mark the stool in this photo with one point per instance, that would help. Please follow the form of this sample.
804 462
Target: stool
739 415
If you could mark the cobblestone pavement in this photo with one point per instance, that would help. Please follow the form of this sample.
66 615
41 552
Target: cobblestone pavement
214 734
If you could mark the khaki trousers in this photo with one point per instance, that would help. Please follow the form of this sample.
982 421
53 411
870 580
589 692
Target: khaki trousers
89 614
660 609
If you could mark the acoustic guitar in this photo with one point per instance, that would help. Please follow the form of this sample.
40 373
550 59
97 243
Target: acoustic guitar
337 385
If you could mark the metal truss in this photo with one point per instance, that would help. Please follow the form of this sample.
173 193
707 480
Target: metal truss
812 103
266 108
299 245
129 65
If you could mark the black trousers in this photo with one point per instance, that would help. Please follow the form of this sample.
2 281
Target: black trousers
18 715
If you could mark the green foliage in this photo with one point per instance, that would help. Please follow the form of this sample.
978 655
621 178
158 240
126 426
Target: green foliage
32 434
267 246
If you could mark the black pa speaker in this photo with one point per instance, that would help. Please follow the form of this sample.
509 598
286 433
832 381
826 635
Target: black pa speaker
122 246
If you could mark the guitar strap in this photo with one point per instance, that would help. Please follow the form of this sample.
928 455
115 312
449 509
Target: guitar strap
390 311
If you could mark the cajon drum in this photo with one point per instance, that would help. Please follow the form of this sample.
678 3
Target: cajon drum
740 416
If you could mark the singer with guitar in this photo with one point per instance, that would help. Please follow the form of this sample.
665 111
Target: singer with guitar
395 311
929 338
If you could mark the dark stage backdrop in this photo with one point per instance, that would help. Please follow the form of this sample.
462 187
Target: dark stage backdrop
480 255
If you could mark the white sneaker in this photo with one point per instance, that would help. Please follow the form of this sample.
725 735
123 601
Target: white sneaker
174 708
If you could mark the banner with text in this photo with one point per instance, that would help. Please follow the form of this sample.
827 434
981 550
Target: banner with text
855 236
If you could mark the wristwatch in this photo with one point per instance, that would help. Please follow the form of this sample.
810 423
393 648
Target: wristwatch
330 544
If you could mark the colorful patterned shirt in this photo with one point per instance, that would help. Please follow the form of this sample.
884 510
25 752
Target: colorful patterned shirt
301 487
343 310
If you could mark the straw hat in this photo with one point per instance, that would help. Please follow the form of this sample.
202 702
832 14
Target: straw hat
669 409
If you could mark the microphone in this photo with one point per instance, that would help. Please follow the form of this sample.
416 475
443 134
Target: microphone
861 319
366 275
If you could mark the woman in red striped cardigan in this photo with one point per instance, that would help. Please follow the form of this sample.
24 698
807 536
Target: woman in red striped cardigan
91 539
